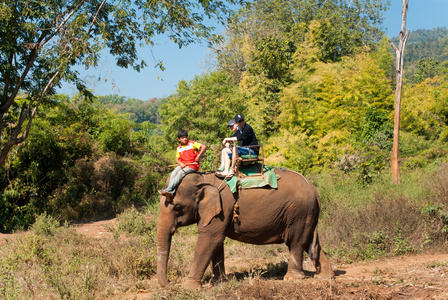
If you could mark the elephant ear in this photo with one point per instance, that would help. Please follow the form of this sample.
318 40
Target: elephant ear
209 203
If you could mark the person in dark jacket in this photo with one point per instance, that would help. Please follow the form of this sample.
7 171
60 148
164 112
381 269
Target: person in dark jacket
245 136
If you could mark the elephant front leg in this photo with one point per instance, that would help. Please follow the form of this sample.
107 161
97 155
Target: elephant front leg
219 272
295 264
205 247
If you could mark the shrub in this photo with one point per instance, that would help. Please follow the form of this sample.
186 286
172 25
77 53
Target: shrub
133 222
105 186
424 158
45 225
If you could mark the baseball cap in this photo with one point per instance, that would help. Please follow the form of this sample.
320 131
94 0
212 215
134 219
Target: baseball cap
238 118
231 123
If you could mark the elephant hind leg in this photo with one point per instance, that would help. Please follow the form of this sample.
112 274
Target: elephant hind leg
323 266
295 263
320 261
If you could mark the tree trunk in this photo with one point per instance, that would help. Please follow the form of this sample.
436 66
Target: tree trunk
395 167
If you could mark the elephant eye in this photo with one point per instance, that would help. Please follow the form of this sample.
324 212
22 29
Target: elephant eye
177 207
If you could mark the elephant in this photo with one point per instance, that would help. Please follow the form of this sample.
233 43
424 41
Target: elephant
287 214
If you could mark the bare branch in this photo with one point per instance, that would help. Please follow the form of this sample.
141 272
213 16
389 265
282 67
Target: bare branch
393 46
395 167
64 21
13 96
49 85
96 15
30 111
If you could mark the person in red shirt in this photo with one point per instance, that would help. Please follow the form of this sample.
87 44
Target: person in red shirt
187 157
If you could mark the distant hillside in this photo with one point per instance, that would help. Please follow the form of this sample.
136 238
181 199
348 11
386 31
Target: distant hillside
138 110
424 44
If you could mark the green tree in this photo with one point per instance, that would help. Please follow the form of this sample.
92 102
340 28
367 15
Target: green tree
267 73
427 68
203 107
377 129
139 111
326 102
82 160
345 28
326 97
42 42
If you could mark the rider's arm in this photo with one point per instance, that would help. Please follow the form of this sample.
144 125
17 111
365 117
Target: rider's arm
202 149
181 164
229 139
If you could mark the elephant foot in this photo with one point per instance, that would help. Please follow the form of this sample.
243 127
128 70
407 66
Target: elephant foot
218 279
294 275
192 284
327 274
324 269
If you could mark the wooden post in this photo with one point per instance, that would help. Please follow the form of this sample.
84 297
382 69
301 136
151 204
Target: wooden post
399 52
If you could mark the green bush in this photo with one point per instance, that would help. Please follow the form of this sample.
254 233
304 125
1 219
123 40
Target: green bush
45 225
425 158
133 222
104 187
63 169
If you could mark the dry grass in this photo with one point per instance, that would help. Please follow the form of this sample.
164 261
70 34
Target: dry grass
71 266
383 219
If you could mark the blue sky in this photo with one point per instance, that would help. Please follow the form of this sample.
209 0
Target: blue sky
186 63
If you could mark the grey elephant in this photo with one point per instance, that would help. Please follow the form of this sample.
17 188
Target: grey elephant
287 214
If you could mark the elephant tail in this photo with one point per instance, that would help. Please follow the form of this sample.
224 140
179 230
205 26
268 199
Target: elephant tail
314 249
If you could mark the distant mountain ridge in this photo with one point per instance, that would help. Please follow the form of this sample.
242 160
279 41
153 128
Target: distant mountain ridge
424 35
424 43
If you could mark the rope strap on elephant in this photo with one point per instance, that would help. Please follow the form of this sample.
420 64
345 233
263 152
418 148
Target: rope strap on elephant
249 181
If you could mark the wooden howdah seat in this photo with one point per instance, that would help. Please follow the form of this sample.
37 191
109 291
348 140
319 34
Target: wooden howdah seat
258 160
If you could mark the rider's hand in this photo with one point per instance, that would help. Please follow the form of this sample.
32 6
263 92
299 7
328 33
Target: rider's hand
182 165
224 141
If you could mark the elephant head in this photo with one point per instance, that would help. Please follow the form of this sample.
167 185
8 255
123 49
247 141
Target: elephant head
193 202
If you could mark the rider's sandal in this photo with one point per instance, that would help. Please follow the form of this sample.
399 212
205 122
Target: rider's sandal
220 174
230 175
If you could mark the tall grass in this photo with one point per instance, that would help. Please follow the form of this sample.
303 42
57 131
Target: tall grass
364 222
67 265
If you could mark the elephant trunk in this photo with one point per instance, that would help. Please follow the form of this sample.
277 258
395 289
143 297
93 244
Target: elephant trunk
164 234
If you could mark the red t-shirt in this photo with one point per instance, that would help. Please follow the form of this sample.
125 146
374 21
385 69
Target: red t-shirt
188 153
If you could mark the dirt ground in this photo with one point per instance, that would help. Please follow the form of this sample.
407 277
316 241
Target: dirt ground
422 276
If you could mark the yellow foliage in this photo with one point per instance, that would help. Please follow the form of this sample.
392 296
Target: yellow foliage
424 107
334 96
333 145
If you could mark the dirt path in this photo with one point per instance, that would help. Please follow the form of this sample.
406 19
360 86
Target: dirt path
422 276
96 229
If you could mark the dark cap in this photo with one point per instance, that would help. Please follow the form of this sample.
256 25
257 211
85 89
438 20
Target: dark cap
239 117
231 123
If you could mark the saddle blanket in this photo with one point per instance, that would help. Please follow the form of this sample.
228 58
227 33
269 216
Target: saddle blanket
250 180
